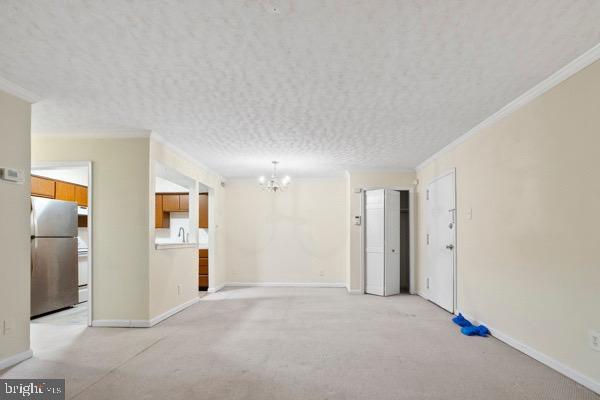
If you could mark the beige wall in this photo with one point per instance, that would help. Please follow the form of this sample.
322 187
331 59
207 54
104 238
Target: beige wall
169 268
291 237
120 220
364 180
528 261
15 119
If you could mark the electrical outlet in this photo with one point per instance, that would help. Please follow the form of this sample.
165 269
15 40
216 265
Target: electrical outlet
470 213
321 273
595 340
8 327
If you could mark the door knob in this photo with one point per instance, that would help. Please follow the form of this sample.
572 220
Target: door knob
450 246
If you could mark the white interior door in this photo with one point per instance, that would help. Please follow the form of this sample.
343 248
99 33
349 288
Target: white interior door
392 242
441 241
374 241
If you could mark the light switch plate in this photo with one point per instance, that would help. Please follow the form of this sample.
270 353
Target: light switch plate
12 175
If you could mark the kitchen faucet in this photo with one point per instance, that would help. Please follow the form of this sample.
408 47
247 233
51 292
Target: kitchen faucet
181 234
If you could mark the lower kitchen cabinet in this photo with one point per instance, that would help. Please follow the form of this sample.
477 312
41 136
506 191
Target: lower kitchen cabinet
202 269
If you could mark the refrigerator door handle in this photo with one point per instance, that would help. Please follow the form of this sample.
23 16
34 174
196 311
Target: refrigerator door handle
33 221
33 254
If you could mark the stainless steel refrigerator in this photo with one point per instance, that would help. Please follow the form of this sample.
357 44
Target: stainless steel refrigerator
53 255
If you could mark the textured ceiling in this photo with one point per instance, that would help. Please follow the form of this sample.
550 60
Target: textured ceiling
320 85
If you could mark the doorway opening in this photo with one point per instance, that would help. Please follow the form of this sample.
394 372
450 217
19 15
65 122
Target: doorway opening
387 241
204 237
61 244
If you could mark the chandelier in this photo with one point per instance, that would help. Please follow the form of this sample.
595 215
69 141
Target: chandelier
274 184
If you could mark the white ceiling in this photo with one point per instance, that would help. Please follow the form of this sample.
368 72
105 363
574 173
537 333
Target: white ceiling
321 86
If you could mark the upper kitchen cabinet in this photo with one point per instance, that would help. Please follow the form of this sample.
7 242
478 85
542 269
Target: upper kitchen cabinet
65 191
161 218
42 187
81 195
203 210
173 202
170 202
59 190
184 202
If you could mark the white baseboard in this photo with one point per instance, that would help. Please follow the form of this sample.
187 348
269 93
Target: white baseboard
143 323
121 323
287 284
354 291
215 289
173 311
539 356
15 359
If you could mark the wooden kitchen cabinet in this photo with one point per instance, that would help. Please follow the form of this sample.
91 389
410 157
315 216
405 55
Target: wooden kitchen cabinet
65 191
59 190
170 202
203 282
203 210
184 202
202 269
81 195
161 218
42 187
174 202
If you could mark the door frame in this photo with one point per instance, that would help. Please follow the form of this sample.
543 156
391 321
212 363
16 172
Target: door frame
451 171
411 233
213 259
90 260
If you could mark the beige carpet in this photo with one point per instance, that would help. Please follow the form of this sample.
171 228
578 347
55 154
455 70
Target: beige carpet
291 343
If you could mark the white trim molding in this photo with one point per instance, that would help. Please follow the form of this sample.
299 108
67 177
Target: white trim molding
173 311
355 291
545 359
143 323
215 289
94 134
581 62
287 284
18 91
15 359
121 323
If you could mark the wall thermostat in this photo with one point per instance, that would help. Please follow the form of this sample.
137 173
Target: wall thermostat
11 175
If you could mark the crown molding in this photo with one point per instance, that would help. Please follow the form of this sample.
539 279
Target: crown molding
96 134
581 62
382 170
18 91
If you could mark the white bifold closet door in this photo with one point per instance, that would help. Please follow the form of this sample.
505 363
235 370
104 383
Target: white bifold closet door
382 242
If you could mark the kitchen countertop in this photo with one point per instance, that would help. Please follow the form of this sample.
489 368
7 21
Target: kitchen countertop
174 245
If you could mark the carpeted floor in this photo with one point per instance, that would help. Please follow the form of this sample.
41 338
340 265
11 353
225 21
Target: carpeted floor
291 343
